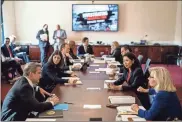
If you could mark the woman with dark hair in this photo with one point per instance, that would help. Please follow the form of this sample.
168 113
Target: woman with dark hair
52 74
133 76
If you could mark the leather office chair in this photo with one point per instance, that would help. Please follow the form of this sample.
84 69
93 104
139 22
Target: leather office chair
173 57
140 57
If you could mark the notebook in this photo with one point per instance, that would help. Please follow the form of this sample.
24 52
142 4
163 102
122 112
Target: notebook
51 114
61 107
131 118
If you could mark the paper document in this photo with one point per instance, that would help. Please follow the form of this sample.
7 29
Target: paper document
131 117
122 100
92 106
94 65
127 110
109 59
77 83
76 78
78 61
34 119
103 69
105 86
109 81
99 61
93 72
118 97
93 88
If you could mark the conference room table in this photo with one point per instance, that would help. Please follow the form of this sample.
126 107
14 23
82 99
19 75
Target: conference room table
79 95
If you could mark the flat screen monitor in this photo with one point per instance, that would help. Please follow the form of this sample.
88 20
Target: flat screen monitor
95 17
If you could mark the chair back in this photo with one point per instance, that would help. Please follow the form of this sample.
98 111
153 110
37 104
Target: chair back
140 57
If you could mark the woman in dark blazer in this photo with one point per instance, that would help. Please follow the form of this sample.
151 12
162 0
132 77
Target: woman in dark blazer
133 76
52 74
165 105
116 52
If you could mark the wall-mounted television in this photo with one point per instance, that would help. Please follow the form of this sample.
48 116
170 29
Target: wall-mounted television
95 17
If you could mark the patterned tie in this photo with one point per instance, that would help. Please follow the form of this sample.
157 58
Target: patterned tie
10 53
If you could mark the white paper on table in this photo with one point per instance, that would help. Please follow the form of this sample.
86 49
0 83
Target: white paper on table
134 117
68 71
78 61
99 61
93 88
105 86
87 106
77 83
34 119
109 59
127 108
93 72
102 69
118 97
109 81
75 78
122 100
94 65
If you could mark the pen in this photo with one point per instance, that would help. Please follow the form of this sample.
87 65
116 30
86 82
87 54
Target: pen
68 103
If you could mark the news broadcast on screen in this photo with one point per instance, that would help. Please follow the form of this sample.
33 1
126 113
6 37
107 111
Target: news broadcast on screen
94 17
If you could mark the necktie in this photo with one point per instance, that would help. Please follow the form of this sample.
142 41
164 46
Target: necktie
10 53
129 73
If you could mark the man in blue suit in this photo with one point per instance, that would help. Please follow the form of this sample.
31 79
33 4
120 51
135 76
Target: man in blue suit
59 37
43 37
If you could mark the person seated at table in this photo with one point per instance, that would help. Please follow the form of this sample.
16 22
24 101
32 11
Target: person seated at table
8 51
51 73
116 52
133 76
21 99
72 46
166 105
85 47
16 50
67 63
8 63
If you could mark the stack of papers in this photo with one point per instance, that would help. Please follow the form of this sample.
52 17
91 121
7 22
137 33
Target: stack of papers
78 61
121 99
99 61
124 110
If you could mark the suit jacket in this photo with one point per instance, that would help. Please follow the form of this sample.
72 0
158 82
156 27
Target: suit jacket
63 35
136 79
51 76
20 101
5 51
117 55
165 106
42 43
81 50
72 54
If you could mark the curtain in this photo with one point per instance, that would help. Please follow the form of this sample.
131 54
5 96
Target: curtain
2 26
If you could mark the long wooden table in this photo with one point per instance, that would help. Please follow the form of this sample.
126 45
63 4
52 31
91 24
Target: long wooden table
79 95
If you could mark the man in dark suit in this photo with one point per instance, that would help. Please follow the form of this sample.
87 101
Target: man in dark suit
85 47
43 37
7 50
21 100
72 46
